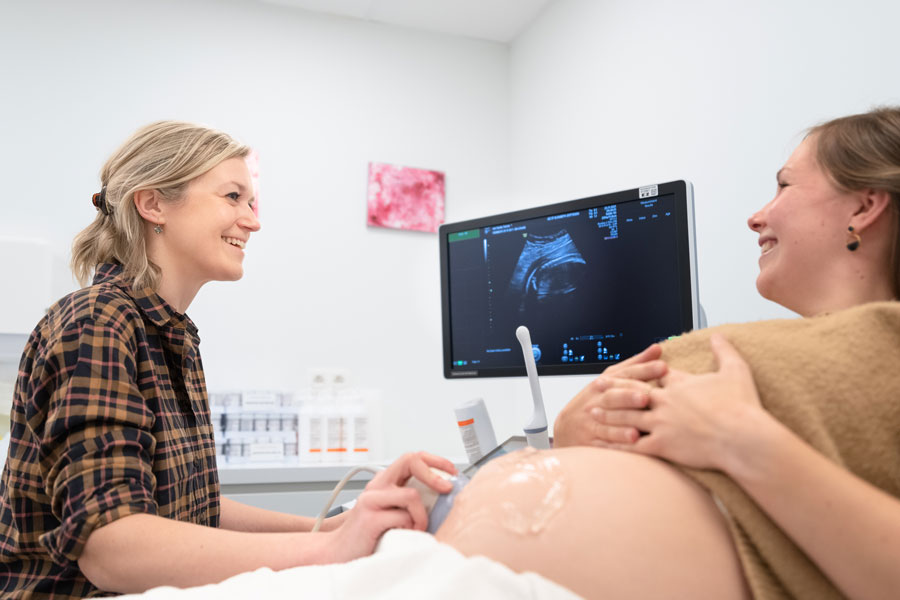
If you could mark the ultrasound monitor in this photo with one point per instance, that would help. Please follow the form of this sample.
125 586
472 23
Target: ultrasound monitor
595 280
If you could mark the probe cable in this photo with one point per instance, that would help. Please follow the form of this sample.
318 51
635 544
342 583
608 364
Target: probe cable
337 490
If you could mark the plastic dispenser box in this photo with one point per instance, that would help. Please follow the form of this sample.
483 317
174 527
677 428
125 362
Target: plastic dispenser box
255 427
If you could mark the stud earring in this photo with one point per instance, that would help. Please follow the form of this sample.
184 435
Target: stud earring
158 228
854 243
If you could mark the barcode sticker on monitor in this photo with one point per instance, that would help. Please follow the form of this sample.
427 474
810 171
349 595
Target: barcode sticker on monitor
648 191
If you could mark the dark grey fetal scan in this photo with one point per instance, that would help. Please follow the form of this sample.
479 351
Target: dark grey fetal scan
549 266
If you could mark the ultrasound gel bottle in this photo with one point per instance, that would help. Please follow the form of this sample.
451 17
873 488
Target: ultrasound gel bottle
335 437
344 402
312 428
475 428
358 434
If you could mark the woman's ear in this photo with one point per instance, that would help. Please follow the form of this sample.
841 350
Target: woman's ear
873 204
148 205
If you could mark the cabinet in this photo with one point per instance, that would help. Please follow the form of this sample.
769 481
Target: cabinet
294 490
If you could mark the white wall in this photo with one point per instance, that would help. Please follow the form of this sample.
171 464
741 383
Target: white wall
594 97
318 97
610 95
616 94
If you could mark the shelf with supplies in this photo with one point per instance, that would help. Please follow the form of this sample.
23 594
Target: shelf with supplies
273 446
275 429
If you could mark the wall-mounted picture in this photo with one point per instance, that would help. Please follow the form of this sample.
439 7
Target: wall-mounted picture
252 161
405 197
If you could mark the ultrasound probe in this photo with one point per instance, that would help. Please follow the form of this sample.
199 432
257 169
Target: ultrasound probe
536 430
437 506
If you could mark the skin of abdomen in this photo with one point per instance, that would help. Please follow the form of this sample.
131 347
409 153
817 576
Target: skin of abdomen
603 523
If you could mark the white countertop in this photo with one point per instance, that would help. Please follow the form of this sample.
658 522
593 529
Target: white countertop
261 473
250 473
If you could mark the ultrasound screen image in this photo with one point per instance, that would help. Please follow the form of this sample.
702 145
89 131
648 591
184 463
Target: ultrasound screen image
593 286
548 266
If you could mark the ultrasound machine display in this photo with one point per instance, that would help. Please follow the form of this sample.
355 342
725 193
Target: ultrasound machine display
595 281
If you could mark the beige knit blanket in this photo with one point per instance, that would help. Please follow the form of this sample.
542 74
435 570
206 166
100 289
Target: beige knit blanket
835 381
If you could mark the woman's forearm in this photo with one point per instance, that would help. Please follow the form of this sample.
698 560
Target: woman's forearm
238 516
848 527
138 552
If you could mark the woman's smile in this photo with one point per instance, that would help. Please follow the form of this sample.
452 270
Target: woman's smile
236 242
766 245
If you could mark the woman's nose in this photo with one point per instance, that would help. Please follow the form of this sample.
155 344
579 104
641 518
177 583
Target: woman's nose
249 221
757 220
754 222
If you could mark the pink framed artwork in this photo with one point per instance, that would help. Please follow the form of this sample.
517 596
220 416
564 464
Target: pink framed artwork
405 197
252 160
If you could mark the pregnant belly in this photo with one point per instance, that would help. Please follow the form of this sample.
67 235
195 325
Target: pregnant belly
605 524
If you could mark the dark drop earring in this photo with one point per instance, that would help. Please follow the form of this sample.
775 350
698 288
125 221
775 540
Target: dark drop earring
854 243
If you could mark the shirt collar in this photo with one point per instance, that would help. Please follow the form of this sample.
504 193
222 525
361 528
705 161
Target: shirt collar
149 302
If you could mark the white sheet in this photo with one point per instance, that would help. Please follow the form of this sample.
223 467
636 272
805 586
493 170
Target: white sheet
407 564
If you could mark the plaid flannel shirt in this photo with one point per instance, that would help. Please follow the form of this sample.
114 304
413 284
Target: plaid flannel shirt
110 418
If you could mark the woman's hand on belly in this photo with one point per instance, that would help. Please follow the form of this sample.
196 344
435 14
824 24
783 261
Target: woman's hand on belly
591 419
701 421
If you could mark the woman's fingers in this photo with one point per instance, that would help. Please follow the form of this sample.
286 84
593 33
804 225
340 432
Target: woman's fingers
643 372
606 435
397 519
440 462
387 504
623 397
418 465
600 423
651 352
361 531
648 444
623 426
574 425
691 419
643 366
390 500
621 418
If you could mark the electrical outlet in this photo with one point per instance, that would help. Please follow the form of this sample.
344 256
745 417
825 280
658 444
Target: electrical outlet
319 378
340 378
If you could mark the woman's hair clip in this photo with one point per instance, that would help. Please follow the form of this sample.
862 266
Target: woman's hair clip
99 201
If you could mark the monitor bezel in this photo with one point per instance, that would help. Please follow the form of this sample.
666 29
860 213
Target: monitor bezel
687 261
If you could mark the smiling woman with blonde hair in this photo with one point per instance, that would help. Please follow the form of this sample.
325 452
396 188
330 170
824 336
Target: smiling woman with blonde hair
110 484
